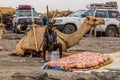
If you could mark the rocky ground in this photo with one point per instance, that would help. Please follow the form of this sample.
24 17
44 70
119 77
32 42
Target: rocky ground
25 68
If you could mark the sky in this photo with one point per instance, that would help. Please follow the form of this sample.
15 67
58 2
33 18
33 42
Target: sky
40 5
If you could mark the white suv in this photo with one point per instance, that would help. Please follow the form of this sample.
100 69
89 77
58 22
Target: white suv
70 23
23 18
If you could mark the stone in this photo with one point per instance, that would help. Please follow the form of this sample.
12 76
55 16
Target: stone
100 74
35 75
79 76
118 72
17 76
110 76
92 77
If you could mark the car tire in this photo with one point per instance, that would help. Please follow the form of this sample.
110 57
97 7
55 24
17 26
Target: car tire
111 31
68 29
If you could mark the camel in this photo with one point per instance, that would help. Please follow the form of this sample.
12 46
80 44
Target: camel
67 40
1 33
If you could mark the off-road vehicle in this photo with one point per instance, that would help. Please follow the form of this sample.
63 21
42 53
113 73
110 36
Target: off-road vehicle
23 18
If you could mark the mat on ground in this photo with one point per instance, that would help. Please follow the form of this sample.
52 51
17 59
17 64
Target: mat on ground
80 61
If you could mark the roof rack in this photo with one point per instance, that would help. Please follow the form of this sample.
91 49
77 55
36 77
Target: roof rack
107 5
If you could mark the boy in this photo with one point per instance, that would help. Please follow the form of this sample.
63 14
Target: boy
50 41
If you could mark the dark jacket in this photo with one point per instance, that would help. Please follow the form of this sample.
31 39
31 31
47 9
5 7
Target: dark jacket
50 39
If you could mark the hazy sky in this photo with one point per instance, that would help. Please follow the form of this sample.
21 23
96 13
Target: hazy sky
40 5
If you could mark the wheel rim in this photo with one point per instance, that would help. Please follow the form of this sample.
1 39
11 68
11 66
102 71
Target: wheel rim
69 30
111 33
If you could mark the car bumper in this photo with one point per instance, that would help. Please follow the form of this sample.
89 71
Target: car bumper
59 26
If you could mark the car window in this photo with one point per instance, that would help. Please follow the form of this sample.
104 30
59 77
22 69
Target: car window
101 14
76 13
113 14
119 15
89 13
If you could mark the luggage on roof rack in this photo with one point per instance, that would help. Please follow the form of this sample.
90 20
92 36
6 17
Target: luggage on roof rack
25 7
111 4
107 5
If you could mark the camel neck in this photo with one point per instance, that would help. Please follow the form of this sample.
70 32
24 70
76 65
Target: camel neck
76 36
72 39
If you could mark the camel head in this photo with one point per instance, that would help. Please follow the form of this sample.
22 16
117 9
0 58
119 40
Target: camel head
93 21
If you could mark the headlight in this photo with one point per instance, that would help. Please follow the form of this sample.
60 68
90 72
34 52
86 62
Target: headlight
20 21
58 21
53 21
37 20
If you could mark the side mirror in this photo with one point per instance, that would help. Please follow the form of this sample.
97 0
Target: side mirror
83 15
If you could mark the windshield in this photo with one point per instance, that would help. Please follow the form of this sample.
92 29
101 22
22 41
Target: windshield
76 14
24 13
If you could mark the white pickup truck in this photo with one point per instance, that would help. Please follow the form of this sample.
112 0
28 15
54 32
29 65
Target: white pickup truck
72 22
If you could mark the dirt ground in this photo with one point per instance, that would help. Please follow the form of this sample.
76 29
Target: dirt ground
11 64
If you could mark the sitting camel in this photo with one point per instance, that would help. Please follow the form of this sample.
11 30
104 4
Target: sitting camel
35 42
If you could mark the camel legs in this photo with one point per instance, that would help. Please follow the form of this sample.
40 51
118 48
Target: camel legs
1 33
93 32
